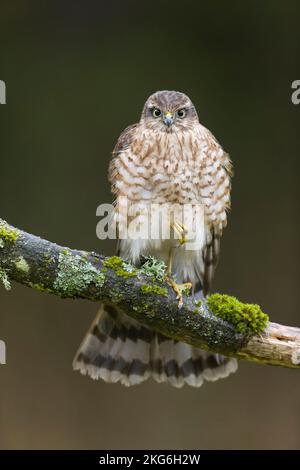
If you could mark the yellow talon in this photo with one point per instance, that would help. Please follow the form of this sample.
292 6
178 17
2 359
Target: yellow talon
180 229
179 289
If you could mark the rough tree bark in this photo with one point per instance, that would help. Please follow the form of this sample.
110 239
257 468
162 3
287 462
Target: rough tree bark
68 273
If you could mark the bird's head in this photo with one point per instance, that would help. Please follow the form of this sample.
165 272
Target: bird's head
167 111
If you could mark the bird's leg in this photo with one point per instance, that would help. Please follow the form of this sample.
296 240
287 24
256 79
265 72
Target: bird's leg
170 262
178 288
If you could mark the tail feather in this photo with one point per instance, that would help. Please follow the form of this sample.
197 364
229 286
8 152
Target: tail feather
119 349
114 350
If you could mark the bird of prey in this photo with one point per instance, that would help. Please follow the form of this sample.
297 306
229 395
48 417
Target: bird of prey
168 157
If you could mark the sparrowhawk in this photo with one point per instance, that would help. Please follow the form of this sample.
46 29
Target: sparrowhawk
168 157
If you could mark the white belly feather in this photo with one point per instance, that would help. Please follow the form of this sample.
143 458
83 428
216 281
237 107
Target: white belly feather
172 181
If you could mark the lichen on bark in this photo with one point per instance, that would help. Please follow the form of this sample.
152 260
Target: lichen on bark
75 274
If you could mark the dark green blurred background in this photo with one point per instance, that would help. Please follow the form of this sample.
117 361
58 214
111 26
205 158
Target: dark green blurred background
77 73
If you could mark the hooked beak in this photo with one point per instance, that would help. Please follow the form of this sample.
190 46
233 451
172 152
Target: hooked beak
168 119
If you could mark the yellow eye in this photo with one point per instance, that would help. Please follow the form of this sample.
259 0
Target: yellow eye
181 113
156 112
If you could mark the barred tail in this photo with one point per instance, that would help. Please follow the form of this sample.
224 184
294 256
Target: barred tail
119 349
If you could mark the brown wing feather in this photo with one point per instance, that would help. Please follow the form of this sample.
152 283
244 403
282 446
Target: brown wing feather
123 142
212 249
210 259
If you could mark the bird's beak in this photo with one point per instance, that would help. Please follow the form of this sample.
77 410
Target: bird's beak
168 119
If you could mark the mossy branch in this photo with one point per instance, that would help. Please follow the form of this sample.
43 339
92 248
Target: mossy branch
142 294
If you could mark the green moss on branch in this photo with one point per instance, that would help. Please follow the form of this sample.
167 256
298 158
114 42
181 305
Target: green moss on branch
121 268
22 265
7 234
40 287
246 318
153 289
